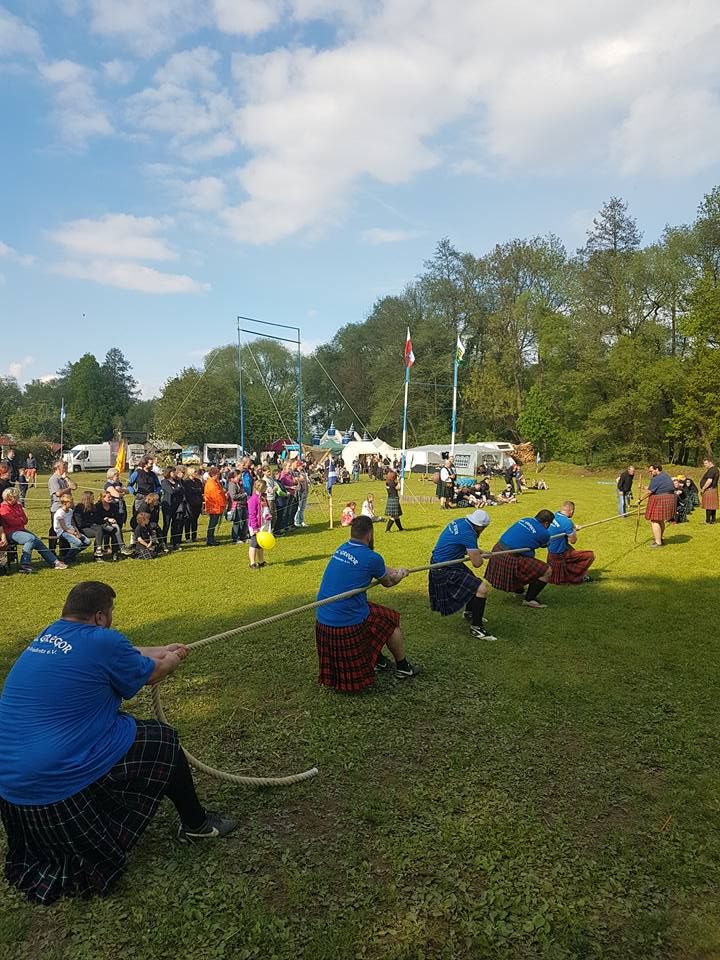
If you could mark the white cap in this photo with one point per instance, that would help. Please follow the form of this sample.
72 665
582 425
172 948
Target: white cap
479 518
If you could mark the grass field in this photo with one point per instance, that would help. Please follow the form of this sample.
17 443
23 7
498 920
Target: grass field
552 796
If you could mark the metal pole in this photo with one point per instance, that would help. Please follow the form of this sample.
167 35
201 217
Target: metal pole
62 423
454 410
242 399
404 433
299 396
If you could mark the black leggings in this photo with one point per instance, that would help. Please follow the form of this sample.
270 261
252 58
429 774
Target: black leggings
391 521
181 790
710 516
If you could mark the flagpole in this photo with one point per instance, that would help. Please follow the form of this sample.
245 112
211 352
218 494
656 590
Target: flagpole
404 434
454 410
62 423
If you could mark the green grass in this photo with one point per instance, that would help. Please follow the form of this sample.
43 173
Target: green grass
554 796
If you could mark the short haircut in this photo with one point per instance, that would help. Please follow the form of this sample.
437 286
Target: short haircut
65 498
567 503
58 463
88 598
144 462
8 493
545 516
143 517
656 466
361 527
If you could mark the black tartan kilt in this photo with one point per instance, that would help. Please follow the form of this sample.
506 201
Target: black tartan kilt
393 508
79 846
451 588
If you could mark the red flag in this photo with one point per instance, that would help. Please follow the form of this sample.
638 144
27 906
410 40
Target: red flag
409 355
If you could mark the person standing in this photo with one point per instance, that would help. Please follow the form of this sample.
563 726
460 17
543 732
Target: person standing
512 572
58 483
351 633
709 490
80 780
446 483
22 485
259 519
393 509
624 489
193 487
660 502
12 465
215 504
301 491
568 565
31 470
453 587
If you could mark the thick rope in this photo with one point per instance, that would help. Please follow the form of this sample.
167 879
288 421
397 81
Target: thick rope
268 781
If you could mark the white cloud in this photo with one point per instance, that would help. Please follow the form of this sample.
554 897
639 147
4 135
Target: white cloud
116 235
380 235
79 113
130 276
17 38
17 367
9 253
247 17
48 377
146 27
119 71
206 193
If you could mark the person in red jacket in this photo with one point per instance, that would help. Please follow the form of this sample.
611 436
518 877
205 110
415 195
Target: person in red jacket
14 521
215 504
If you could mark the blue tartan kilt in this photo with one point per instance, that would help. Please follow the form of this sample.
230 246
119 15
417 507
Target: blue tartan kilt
451 588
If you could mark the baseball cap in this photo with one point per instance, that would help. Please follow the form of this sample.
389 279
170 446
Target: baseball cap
479 518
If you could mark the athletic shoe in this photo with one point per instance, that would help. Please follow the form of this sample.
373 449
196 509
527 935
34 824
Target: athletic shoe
406 673
481 634
653 544
254 566
587 579
535 604
382 664
126 551
214 826
25 570
59 565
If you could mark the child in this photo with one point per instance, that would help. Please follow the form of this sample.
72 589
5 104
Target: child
259 519
368 509
65 529
146 544
508 495
348 514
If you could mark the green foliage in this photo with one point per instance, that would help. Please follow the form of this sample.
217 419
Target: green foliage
538 424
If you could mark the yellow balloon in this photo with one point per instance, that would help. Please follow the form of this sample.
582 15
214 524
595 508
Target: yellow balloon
265 540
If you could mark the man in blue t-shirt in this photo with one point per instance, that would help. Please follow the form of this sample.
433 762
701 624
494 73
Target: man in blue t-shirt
513 564
453 587
568 565
662 502
67 746
350 633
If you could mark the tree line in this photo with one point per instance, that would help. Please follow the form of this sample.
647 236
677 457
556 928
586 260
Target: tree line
603 355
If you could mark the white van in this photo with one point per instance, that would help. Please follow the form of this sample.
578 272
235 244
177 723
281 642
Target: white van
89 456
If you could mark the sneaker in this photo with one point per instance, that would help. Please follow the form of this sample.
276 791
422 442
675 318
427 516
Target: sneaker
25 570
535 604
587 579
481 634
254 566
214 826
406 673
653 544
59 565
382 664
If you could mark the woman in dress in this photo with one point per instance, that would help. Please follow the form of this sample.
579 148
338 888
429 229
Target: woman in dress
709 490
393 510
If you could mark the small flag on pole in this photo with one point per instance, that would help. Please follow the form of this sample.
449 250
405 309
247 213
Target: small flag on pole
460 351
121 461
409 355
62 410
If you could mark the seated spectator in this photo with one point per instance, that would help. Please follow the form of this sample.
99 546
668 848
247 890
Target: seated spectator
14 524
508 495
4 560
85 520
146 539
368 509
348 514
107 517
66 530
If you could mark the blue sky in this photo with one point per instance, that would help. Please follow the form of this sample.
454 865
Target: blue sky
168 164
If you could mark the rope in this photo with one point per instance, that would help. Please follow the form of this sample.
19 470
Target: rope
274 618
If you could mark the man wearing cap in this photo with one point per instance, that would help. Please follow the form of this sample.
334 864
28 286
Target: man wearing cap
568 565
454 587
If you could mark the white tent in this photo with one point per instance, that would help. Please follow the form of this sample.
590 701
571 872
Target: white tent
359 448
499 453
421 460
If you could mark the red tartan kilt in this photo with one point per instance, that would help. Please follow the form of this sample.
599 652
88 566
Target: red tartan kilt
347 655
661 507
571 566
710 499
511 572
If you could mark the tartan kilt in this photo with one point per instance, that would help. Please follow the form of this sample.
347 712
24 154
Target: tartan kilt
660 507
393 508
441 490
710 499
511 571
451 588
571 566
79 846
347 655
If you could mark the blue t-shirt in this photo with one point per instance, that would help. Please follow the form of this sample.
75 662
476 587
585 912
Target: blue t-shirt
352 565
662 483
561 524
457 538
60 717
527 532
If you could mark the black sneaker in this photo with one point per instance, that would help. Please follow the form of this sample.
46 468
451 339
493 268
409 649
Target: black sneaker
382 664
406 673
214 826
28 570
481 634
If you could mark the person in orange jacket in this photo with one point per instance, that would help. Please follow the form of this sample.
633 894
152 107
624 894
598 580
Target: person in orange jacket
215 504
